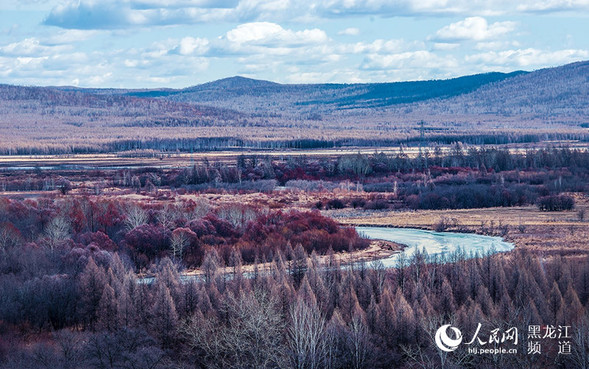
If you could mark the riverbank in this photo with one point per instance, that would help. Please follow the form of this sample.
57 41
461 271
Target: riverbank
377 250
543 233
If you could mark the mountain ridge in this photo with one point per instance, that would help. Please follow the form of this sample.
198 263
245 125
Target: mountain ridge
551 102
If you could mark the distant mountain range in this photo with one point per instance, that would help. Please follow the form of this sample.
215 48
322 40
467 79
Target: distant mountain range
547 101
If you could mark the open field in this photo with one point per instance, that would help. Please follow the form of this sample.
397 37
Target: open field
158 159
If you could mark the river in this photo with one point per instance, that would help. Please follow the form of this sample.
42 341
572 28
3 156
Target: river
436 244
440 245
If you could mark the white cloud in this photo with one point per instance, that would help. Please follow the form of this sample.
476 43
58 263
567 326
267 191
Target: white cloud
191 45
528 58
379 47
420 59
274 39
266 33
445 46
553 5
69 36
496 45
31 47
352 31
111 14
473 28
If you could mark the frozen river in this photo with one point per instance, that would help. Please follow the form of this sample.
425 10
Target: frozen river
439 244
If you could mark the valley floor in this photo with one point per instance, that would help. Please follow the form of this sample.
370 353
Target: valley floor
541 232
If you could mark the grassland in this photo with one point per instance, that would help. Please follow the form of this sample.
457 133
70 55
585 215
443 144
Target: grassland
543 233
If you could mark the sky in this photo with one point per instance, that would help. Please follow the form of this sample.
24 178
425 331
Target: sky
180 43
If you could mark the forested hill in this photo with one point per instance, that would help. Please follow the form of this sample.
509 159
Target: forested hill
548 104
545 93
250 95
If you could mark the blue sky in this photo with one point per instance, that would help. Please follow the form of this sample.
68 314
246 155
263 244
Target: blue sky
179 43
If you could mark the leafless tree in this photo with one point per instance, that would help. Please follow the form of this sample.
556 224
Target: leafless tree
251 338
9 236
579 356
201 208
181 238
164 318
236 214
210 264
92 282
167 215
57 230
108 310
135 216
306 336
358 342
124 349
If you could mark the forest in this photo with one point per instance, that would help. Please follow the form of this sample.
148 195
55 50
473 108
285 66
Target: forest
237 263
301 314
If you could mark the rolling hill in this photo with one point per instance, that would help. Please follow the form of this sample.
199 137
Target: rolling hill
237 111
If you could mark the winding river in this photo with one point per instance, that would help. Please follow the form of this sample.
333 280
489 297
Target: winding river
436 244
441 245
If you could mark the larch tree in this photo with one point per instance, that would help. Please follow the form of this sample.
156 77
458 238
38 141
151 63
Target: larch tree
164 318
91 288
306 334
108 309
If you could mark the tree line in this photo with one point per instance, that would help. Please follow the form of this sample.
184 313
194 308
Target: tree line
147 232
302 313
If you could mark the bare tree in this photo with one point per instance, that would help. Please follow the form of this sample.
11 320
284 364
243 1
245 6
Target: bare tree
91 285
579 356
306 336
108 310
167 215
9 236
164 318
135 216
210 264
201 208
181 238
237 214
57 230
358 342
251 338
124 349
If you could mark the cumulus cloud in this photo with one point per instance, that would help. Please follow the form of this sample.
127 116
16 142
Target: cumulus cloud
379 46
266 33
473 28
89 15
31 47
527 58
273 39
111 14
192 46
496 45
445 46
554 5
352 31
420 59
68 36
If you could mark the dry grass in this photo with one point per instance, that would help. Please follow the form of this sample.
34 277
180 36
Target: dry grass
545 233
